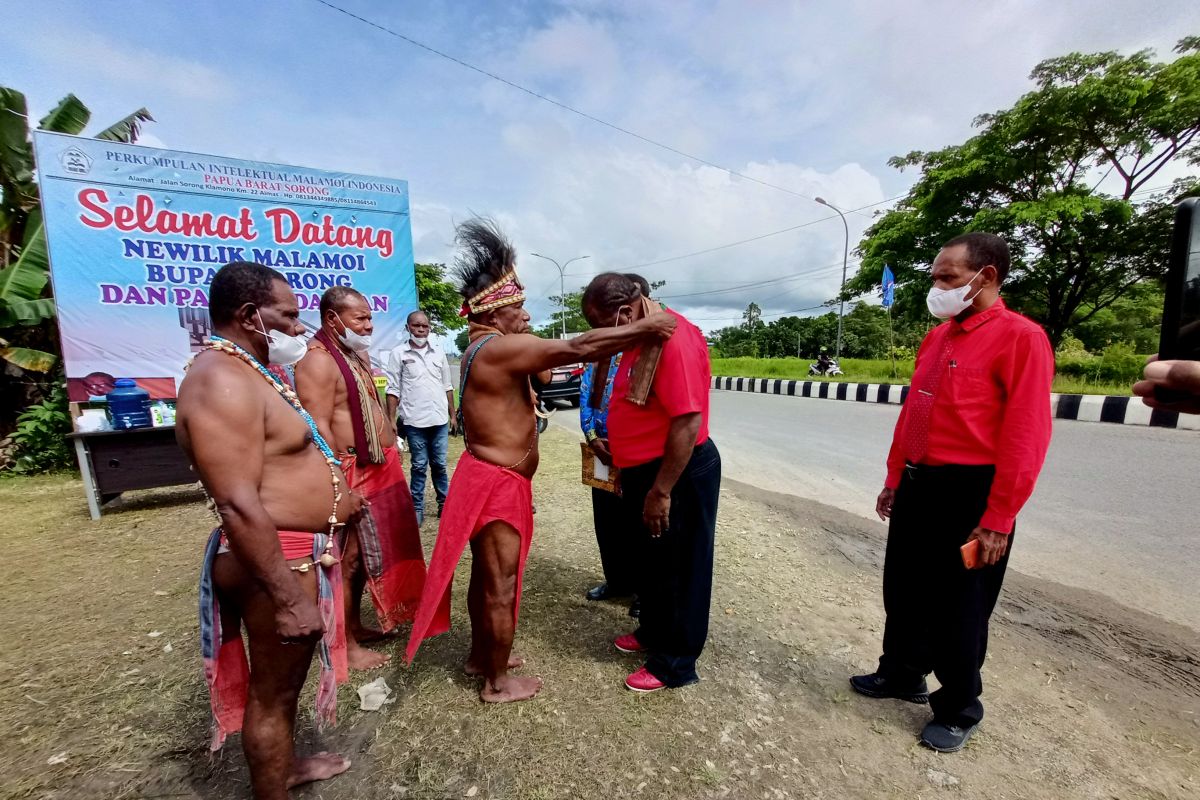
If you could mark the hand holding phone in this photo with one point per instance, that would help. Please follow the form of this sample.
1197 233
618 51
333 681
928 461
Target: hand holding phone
970 554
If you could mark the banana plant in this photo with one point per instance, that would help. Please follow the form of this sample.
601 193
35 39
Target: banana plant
25 299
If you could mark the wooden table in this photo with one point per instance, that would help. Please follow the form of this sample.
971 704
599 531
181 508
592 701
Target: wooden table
112 462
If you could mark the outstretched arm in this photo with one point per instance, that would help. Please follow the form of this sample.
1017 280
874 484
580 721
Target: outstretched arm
529 354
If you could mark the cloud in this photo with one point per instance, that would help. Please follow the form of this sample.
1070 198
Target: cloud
132 65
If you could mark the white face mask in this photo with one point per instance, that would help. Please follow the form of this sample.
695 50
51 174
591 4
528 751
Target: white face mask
355 341
418 341
282 349
947 303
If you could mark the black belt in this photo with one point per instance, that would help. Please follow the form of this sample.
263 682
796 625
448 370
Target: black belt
931 470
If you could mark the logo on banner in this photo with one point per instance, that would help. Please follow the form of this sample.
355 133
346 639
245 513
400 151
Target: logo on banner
76 161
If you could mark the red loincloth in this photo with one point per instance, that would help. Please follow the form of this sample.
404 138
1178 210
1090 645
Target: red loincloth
479 493
391 548
226 668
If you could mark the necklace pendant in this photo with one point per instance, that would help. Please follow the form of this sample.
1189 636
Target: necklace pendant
327 560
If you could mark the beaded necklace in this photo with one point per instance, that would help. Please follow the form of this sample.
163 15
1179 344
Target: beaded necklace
223 345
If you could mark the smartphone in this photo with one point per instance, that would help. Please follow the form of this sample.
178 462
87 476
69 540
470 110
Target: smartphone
970 554
1180 337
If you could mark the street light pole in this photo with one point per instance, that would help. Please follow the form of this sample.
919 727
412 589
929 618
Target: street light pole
562 285
845 260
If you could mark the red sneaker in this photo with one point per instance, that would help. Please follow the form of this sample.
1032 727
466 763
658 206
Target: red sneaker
643 682
628 644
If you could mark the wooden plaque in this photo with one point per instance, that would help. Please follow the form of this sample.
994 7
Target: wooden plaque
609 483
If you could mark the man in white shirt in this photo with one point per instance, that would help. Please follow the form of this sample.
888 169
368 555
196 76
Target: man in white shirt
420 390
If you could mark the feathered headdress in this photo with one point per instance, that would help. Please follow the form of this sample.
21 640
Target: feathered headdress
486 267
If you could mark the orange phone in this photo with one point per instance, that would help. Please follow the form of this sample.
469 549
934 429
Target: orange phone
970 554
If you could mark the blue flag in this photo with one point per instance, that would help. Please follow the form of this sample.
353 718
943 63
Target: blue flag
889 287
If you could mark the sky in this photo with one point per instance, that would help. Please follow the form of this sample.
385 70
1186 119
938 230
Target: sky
813 98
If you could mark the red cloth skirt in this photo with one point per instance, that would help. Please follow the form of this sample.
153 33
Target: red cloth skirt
479 493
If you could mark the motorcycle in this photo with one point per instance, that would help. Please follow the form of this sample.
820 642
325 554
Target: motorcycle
828 369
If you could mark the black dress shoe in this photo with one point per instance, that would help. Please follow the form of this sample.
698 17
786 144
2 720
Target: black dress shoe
946 738
875 685
598 592
635 608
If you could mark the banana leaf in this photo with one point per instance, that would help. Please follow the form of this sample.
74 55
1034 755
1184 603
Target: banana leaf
69 116
26 277
28 358
128 129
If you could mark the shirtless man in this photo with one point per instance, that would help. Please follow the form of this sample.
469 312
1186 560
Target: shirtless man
335 384
490 502
272 488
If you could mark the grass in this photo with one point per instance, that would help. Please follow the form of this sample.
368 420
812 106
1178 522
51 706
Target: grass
862 370
96 707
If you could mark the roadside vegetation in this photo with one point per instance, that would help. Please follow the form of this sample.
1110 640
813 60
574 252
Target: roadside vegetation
1112 372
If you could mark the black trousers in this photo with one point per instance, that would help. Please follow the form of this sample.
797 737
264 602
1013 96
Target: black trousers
675 582
938 610
615 535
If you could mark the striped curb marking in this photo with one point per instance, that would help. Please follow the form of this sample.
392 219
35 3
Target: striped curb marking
1082 407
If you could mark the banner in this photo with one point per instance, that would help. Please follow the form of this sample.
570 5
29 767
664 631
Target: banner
136 234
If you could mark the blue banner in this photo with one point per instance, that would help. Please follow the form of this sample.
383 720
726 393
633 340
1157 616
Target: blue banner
136 234
889 287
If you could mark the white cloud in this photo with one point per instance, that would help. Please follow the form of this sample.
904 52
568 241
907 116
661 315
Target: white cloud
132 65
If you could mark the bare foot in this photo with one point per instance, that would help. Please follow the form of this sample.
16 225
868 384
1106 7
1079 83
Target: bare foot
319 767
364 659
472 669
510 689
365 635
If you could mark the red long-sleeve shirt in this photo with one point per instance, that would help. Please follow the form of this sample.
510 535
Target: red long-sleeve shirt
992 406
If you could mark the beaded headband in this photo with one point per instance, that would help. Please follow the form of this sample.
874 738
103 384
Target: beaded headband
504 292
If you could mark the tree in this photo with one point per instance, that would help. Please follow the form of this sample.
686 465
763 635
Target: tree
439 299
1034 174
573 309
28 336
26 307
576 322
753 317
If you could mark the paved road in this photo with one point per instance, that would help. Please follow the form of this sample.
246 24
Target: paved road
1117 509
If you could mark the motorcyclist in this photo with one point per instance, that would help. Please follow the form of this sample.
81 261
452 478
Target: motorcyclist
824 362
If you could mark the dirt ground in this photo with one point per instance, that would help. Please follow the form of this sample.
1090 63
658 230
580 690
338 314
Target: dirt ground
103 697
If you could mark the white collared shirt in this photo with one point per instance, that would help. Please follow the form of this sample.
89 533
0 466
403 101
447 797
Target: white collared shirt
420 377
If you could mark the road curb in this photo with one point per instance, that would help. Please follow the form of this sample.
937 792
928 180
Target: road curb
1081 407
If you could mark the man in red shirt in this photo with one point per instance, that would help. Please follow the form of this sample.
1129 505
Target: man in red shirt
967 450
671 471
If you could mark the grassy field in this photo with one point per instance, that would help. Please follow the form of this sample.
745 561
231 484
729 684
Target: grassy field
861 370
103 695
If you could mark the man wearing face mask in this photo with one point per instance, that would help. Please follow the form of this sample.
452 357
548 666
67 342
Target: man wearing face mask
382 551
968 446
272 565
419 388
670 478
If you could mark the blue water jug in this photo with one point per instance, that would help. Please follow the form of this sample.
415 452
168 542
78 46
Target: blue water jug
128 405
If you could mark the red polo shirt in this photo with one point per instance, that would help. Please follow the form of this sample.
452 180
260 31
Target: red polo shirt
637 434
992 406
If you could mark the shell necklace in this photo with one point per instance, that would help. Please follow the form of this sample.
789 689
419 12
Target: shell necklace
223 345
